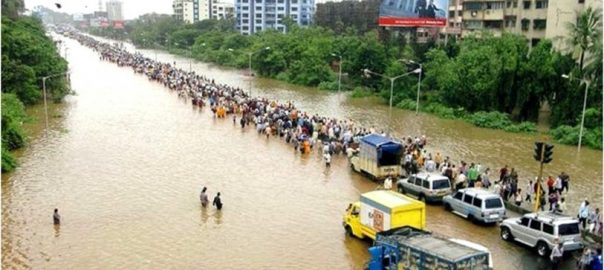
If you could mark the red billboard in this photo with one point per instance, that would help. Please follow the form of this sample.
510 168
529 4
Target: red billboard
118 24
414 13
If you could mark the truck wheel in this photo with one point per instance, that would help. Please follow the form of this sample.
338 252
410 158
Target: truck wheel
471 218
401 190
421 197
542 249
506 234
448 207
349 231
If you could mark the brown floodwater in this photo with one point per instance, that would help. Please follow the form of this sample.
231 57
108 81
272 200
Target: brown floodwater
125 159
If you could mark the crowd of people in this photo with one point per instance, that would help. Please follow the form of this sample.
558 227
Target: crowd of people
304 131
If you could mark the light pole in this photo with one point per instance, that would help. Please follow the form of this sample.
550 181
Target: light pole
339 71
44 93
421 70
367 73
249 64
586 82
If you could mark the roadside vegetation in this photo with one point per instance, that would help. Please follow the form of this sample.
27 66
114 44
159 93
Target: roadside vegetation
493 82
27 55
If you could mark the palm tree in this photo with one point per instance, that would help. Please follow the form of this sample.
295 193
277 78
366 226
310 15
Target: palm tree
585 34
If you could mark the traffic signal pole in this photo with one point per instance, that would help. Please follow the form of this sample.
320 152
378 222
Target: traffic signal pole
538 191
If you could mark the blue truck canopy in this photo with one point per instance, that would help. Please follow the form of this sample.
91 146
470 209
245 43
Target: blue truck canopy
383 145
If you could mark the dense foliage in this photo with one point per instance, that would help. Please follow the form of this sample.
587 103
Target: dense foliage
27 55
489 81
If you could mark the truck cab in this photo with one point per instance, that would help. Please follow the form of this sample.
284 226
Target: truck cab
377 157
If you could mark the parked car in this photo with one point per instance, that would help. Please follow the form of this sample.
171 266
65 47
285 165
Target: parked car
476 204
425 186
539 230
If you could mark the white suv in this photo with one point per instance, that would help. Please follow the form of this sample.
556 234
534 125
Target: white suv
476 204
426 186
541 229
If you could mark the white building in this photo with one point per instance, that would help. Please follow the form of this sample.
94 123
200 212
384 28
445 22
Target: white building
222 10
188 12
256 15
114 10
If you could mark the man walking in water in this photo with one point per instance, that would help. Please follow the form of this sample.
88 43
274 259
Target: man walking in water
56 217
204 197
217 201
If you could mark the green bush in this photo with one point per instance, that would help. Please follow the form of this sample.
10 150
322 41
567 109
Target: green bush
440 110
570 135
8 161
527 127
360 92
329 86
496 120
406 104
593 138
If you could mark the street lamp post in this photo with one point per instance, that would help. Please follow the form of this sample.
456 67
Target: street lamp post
587 83
392 79
339 71
249 63
44 93
421 70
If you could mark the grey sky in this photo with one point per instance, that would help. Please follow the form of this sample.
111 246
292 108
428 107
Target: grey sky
131 9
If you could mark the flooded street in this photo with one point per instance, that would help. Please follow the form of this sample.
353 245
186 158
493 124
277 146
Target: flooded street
125 163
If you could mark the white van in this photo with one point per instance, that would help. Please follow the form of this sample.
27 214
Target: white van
476 204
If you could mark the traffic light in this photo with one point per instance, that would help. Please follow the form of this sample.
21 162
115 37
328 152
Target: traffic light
548 153
538 148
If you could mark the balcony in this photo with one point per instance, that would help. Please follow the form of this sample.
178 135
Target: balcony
493 14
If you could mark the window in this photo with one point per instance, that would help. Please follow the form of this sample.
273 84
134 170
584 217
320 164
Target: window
425 184
280 1
280 8
259 15
418 182
245 28
258 29
294 9
245 8
294 1
468 199
510 22
441 184
458 195
245 15
494 5
258 1
451 24
493 203
541 4
460 13
536 225
524 221
534 42
547 228
508 4
568 229
472 24
258 21
527 4
472 6
244 21
539 24
515 3
477 202
451 13
259 8
525 24
581 1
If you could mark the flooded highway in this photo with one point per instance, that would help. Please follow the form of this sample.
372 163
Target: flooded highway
126 158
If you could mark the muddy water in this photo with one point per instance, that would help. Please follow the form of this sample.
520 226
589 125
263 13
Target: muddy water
126 160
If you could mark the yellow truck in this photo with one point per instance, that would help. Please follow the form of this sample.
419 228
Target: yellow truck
382 210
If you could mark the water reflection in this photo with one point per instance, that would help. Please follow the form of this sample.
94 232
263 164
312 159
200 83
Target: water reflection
57 229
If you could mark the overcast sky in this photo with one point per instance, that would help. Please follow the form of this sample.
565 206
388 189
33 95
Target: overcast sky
131 9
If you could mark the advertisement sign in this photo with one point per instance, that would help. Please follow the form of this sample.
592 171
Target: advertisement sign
414 13
374 218
118 24
104 23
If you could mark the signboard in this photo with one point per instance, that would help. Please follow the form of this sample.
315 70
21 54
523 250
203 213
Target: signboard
104 23
374 218
118 24
414 13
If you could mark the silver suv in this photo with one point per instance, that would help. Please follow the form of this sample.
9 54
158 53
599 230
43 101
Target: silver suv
541 229
426 186
476 204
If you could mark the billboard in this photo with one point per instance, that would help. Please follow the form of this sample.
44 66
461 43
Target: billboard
414 13
118 24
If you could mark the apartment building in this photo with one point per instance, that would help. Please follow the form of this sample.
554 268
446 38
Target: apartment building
188 12
257 15
534 19
222 10
114 10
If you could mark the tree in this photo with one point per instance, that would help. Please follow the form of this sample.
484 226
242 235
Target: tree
585 33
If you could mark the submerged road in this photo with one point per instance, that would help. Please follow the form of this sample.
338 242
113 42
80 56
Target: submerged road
126 161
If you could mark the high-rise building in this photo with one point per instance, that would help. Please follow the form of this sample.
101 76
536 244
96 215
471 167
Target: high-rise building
534 19
256 15
177 6
114 10
188 12
222 10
